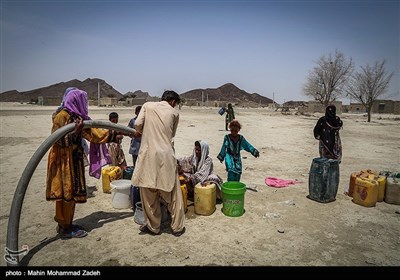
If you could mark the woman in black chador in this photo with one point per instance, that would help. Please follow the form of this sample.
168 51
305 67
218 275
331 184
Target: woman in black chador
327 132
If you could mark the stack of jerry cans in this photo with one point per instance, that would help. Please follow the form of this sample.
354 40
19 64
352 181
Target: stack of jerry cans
109 174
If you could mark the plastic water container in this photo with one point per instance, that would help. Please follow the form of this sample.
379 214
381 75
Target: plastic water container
323 180
108 175
184 195
381 185
205 198
128 172
352 183
392 194
233 198
184 191
120 190
139 216
365 192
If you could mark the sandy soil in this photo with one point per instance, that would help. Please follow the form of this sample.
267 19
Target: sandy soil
280 227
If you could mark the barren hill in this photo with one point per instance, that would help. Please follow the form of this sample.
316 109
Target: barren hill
226 93
137 94
57 91
229 93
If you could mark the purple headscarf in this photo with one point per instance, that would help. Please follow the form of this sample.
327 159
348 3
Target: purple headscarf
64 97
76 101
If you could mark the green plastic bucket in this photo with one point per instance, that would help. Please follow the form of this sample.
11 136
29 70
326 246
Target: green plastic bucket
233 198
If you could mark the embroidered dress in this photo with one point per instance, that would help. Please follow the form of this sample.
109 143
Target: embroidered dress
66 168
230 151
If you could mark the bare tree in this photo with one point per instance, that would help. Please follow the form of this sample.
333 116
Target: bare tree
326 81
368 84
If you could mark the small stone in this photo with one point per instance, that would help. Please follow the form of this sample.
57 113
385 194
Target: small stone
281 230
289 202
272 215
98 238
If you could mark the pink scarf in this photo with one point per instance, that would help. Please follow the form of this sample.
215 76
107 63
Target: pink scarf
279 183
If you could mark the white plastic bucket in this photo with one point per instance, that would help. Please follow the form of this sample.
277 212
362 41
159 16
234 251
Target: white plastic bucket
120 191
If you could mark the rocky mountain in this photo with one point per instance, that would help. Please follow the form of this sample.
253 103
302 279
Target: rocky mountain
57 91
229 93
225 93
137 94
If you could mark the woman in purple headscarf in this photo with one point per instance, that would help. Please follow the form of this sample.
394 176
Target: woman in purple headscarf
327 132
66 171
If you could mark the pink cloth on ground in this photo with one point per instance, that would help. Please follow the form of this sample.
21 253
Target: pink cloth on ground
279 183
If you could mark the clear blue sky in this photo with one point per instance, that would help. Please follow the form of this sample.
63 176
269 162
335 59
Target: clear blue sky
260 46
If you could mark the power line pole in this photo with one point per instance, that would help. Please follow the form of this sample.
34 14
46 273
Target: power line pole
98 94
273 99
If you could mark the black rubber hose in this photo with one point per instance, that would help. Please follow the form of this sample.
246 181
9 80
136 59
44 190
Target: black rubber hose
16 206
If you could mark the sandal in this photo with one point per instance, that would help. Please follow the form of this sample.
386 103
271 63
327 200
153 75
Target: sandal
74 228
179 233
74 233
145 229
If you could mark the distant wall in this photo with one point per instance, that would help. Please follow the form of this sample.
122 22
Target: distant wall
396 108
93 102
386 107
49 101
317 107
138 101
357 108
108 101
378 107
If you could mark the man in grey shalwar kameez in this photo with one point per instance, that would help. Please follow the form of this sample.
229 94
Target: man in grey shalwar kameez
156 171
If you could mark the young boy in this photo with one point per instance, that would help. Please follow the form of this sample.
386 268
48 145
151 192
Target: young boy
230 150
115 149
135 142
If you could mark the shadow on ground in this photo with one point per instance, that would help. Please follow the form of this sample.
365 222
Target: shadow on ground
89 223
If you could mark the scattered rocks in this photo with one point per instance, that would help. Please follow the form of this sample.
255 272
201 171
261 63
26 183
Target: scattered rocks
272 215
289 202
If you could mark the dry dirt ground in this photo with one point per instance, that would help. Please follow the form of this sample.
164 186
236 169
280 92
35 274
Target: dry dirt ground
280 227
